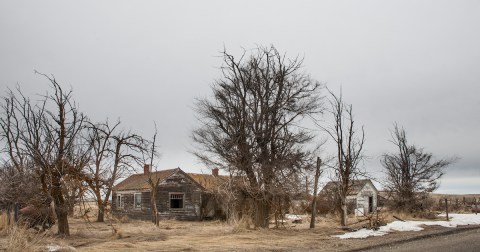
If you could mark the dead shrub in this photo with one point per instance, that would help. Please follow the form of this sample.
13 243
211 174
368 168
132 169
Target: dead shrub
243 224
428 215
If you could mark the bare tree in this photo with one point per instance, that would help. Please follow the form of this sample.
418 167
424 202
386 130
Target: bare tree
251 127
349 143
153 179
113 152
411 172
100 138
10 132
46 134
14 186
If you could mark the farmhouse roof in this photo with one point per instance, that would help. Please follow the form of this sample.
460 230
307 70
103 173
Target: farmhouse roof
140 181
356 186
208 181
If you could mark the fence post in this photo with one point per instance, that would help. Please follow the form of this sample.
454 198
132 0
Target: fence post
476 209
9 210
446 207
15 213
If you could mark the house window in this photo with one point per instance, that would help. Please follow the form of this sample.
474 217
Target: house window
176 200
137 199
119 201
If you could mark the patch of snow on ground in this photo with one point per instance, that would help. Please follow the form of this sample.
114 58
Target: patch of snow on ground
455 220
294 216
52 248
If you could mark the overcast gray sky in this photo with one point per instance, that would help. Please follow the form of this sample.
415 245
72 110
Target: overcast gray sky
416 63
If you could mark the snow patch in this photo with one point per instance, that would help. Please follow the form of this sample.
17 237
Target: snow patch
455 220
52 248
294 216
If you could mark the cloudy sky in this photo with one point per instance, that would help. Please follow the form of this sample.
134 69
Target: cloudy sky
416 63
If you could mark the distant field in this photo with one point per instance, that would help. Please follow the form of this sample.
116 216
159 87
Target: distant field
455 196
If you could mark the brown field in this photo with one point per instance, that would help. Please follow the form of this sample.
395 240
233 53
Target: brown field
192 236
438 196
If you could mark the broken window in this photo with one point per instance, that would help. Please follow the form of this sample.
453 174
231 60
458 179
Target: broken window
137 199
176 200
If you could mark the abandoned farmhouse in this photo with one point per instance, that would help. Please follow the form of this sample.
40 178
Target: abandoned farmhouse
180 195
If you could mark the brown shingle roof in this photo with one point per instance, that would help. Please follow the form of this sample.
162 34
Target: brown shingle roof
140 181
208 181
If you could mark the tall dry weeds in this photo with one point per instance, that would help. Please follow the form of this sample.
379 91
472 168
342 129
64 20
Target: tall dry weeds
19 238
4 221
243 224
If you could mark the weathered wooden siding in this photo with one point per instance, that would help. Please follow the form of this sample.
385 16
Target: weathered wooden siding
176 183
179 183
129 210
363 198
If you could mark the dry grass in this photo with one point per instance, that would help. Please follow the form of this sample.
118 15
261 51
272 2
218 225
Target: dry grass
438 196
4 221
173 235
18 238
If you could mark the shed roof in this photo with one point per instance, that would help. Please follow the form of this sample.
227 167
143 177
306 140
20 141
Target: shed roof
356 186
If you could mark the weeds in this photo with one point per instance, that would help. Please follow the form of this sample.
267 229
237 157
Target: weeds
19 238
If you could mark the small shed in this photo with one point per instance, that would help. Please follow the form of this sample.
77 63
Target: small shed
362 194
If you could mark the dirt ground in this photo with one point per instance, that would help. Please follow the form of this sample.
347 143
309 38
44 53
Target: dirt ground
194 236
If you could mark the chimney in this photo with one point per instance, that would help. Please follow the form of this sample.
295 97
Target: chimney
146 169
215 172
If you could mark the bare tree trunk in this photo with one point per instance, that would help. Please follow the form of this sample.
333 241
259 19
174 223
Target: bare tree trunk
61 209
153 181
154 207
315 190
101 212
62 218
71 205
261 215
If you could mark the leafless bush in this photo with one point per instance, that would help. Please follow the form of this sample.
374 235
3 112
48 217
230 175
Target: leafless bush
412 173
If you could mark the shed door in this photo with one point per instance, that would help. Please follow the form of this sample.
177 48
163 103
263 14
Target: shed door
370 204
